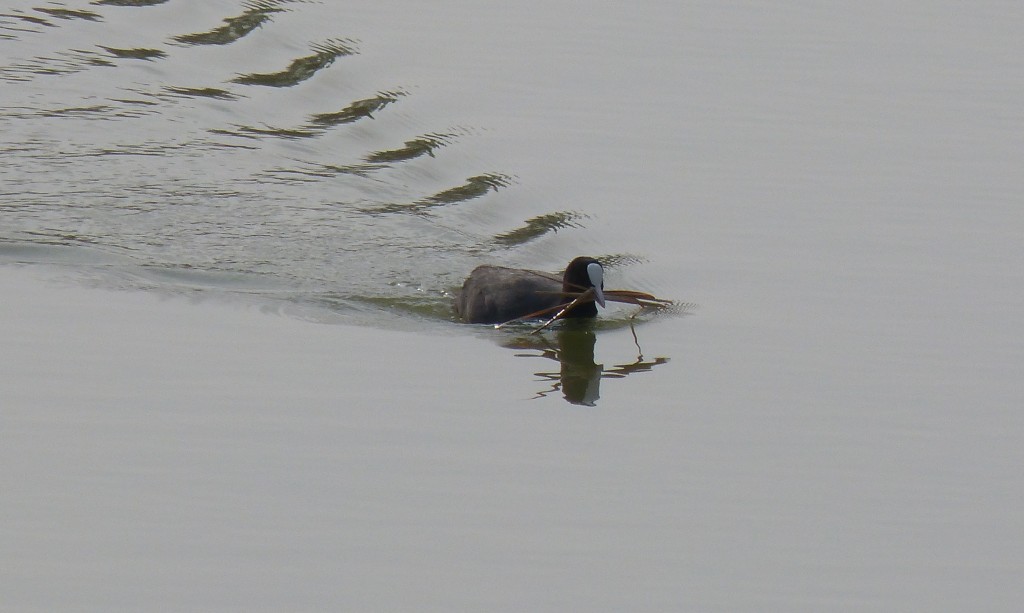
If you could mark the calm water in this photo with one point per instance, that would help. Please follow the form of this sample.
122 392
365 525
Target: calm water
836 425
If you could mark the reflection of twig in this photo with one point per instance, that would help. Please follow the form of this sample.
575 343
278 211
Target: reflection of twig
620 371
639 351
579 375
550 354
556 384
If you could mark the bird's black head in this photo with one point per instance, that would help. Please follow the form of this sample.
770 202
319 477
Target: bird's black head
581 274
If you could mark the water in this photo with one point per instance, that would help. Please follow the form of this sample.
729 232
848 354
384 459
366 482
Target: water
836 424
314 165
177 166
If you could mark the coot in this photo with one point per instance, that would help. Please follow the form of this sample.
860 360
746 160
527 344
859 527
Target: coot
495 294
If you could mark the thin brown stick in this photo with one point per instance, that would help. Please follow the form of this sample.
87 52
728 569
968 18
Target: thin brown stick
625 296
533 315
579 299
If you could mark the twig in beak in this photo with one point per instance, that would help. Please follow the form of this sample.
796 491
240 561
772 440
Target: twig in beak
533 315
640 299
581 298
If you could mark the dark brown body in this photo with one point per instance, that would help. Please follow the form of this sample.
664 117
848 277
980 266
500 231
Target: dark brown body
495 294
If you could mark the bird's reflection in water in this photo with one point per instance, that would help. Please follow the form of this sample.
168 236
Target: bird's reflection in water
579 376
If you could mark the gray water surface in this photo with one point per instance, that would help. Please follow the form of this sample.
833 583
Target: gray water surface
244 138
835 426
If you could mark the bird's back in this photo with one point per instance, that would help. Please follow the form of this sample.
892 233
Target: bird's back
495 294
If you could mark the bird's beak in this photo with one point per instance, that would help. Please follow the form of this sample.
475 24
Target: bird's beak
596 275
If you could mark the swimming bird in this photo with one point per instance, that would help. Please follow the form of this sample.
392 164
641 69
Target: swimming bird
495 294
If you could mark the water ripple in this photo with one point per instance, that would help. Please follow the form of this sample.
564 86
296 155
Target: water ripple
62 63
301 68
357 110
6 24
169 157
137 3
61 13
474 187
539 226
214 93
234 28
136 53
423 145
320 122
